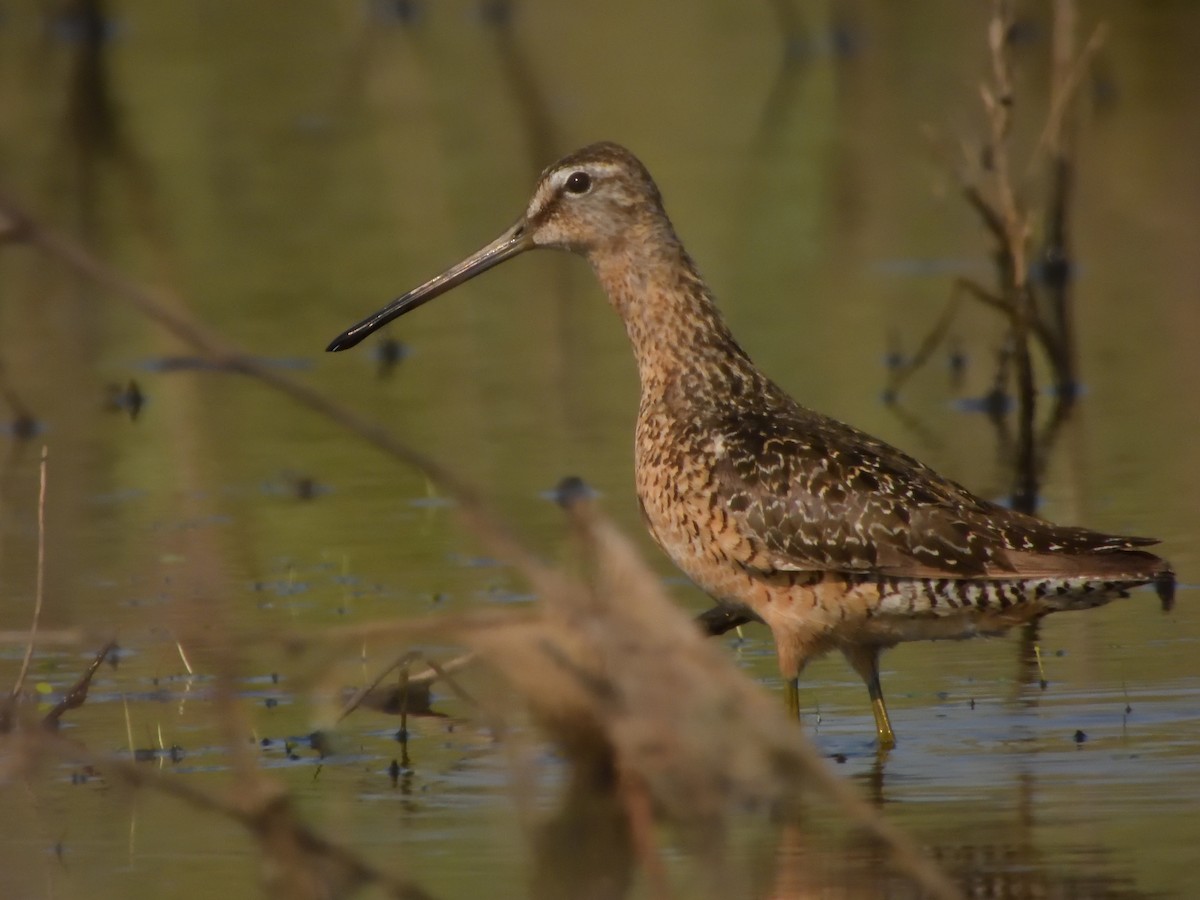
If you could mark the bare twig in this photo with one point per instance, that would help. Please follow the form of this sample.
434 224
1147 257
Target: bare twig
402 661
1058 144
1069 74
989 188
998 102
75 697
183 656
41 577
24 425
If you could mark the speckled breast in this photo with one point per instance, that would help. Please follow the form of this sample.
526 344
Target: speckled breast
683 509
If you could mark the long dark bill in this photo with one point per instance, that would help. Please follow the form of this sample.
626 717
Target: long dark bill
515 240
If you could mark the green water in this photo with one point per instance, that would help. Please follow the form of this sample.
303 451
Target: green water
285 172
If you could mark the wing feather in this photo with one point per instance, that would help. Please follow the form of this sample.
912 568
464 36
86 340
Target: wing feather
812 494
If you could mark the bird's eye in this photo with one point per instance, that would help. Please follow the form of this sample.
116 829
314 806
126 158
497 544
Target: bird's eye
579 182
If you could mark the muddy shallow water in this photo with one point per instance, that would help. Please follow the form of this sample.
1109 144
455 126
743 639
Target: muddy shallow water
284 175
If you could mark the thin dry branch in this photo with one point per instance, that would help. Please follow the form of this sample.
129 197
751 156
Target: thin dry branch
412 697
1066 83
986 183
998 102
39 591
78 693
400 662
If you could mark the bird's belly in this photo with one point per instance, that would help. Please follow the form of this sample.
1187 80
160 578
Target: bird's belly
921 609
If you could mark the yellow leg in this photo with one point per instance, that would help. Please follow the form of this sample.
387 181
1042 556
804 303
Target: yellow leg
865 661
883 726
791 698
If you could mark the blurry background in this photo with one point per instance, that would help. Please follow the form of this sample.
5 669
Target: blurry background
286 169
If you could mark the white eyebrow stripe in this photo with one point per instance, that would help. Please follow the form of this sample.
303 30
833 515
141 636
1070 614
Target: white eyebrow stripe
596 169
559 178
553 185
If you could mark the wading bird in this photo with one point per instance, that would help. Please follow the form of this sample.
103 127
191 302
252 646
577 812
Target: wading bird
831 537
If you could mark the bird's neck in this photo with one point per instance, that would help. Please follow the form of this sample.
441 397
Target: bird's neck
678 334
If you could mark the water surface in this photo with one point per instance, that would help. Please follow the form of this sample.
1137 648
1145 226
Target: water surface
285 174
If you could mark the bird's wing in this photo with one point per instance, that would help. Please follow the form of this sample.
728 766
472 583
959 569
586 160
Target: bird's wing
812 494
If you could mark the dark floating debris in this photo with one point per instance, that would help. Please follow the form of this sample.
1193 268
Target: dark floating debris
296 485
993 403
1053 269
389 354
571 490
320 742
894 359
127 399
23 426
956 362
1080 736
304 487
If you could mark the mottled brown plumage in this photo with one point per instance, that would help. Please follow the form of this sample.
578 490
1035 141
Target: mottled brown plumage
831 537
